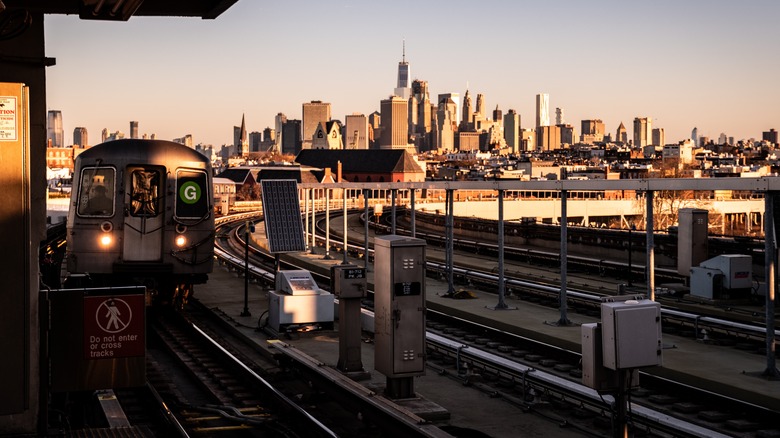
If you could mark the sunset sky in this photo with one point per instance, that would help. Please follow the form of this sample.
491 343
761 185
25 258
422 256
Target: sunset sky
684 63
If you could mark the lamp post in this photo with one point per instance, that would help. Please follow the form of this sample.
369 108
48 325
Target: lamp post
630 229
248 229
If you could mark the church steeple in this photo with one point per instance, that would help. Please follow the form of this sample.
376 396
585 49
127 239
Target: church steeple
242 137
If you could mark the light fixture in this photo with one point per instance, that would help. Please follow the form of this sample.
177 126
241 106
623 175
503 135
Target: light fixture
108 9
180 241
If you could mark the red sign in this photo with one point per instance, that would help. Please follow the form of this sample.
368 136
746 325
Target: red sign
114 326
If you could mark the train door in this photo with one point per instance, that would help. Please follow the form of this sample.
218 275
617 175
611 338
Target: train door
144 218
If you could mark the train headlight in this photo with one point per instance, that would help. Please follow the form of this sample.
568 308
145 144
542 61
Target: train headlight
105 238
180 240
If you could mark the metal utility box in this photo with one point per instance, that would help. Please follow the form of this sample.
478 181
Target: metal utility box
296 282
722 277
348 281
399 306
594 374
737 270
631 334
691 238
706 283
298 300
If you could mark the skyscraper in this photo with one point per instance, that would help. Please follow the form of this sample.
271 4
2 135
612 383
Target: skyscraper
402 85
441 98
291 136
445 131
497 116
770 136
356 135
592 131
548 138
659 138
467 117
542 110
643 130
395 128
695 136
512 130
425 113
133 129
255 140
568 134
314 113
559 116
279 121
480 105
621 136
54 131
80 137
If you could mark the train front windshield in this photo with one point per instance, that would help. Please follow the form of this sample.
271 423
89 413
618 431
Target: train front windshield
145 192
96 191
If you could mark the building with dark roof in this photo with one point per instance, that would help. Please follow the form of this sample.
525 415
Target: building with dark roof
372 165
241 176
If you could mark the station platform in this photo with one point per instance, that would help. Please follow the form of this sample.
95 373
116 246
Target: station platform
724 370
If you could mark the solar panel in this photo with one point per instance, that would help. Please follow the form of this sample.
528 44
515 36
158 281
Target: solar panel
282 213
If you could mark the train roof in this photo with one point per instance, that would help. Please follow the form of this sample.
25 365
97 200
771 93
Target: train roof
161 152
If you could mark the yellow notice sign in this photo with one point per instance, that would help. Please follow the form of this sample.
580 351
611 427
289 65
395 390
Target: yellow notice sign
8 117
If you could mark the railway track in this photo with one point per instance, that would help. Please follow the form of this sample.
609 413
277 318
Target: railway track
741 420
217 389
661 407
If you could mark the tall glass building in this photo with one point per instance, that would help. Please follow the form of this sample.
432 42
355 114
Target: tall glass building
54 131
542 110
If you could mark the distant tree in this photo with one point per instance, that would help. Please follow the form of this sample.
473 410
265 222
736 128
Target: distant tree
667 203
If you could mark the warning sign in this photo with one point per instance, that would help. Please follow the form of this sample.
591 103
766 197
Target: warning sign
114 326
8 118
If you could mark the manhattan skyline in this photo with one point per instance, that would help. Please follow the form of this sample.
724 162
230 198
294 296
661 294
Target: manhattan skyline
683 64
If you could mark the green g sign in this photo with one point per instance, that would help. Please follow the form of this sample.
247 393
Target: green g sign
190 192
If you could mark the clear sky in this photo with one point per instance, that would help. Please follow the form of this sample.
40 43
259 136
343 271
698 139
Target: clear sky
711 64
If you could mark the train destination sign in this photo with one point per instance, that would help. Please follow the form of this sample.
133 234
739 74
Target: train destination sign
114 326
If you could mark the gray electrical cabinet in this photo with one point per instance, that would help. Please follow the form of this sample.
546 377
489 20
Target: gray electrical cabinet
594 374
692 236
399 306
631 334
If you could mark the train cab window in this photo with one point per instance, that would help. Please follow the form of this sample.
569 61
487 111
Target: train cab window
145 192
96 192
192 194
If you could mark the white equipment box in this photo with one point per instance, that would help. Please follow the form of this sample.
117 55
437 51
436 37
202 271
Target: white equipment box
631 334
737 269
298 300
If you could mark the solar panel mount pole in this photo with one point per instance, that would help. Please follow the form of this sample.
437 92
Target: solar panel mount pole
245 312
365 223
327 225
344 242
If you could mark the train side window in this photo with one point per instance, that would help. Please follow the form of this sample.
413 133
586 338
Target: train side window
96 192
192 194
145 192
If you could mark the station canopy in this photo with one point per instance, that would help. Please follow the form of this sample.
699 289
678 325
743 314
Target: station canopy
122 10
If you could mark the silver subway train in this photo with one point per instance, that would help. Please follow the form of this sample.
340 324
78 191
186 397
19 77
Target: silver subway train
141 213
